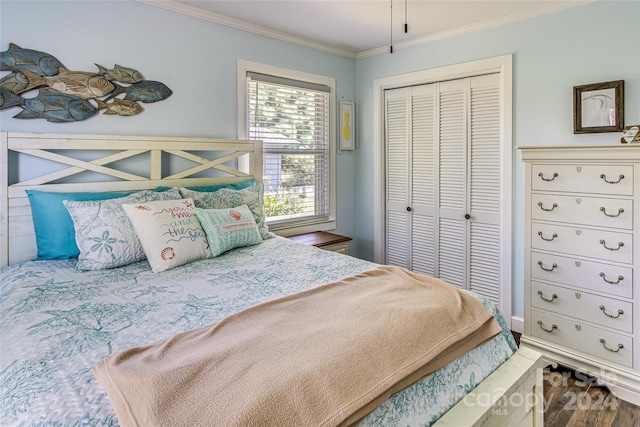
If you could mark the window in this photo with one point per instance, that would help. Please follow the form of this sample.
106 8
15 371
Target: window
293 118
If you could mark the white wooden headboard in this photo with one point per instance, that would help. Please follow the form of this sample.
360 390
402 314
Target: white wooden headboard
17 238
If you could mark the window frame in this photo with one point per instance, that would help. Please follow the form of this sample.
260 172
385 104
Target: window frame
293 226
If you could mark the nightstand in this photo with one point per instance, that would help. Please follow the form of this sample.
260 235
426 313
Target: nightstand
324 240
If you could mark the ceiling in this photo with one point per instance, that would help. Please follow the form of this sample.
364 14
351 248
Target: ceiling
360 28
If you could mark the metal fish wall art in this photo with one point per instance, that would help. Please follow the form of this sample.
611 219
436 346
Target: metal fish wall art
120 74
67 96
144 91
50 105
80 83
17 59
15 82
121 107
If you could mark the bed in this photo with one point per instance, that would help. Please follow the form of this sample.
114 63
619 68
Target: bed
57 322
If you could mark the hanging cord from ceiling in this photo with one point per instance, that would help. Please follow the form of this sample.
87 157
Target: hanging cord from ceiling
391 26
406 25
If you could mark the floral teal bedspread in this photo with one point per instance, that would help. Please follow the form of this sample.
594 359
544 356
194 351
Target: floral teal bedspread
55 323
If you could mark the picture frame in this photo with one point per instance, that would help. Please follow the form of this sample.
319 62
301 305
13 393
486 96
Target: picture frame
631 135
598 107
347 129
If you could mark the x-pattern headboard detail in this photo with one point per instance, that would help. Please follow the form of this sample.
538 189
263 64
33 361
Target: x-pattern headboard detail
196 154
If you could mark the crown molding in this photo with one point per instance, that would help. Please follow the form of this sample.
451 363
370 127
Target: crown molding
245 26
290 38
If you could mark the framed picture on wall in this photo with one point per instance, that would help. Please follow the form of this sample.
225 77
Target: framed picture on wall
347 126
598 107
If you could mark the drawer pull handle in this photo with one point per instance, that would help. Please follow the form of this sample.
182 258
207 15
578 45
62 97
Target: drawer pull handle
554 296
604 177
604 344
603 243
604 277
553 266
553 236
541 175
604 310
604 211
554 326
555 205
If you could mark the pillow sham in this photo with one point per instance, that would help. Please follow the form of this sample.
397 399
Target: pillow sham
228 229
226 198
55 235
169 231
210 188
104 234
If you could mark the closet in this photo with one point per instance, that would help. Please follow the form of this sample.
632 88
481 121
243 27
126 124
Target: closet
443 168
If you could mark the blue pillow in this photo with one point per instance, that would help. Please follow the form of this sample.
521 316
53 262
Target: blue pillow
55 235
210 188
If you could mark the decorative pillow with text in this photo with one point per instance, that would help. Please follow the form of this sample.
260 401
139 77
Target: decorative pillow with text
170 232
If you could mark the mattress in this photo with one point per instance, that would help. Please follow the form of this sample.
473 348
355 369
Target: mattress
55 323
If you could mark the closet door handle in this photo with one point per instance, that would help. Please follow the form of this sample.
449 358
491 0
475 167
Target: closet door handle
409 209
604 177
467 216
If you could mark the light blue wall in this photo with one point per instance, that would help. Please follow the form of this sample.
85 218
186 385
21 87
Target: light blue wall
597 42
195 58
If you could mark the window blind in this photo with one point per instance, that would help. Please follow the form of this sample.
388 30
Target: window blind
292 120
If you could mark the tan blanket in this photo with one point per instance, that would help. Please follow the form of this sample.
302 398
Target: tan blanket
326 356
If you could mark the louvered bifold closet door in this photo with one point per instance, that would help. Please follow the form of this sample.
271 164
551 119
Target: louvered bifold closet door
397 117
452 182
423 145
484 195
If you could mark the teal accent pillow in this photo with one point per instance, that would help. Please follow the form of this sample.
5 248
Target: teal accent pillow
209 188
226 198
55 235
227 229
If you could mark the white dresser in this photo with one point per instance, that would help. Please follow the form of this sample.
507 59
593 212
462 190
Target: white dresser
582 260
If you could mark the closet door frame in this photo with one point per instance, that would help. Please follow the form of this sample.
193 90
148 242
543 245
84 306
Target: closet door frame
502 65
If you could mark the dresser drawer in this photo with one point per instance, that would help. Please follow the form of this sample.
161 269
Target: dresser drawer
605 245
600 179
584 338
603 212
587 275
603 311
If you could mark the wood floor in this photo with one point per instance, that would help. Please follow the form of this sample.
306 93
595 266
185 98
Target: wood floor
573 400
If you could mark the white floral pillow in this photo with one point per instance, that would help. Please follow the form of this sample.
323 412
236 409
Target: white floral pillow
104 234
229 228
226 198
169 231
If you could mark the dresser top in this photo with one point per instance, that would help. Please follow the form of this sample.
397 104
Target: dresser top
618 152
